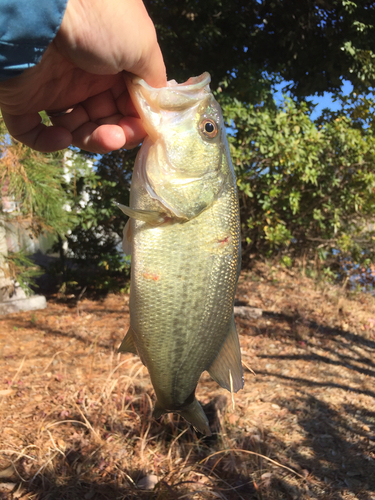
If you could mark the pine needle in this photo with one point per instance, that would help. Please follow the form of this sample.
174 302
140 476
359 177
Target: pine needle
253 453
248 367
231 389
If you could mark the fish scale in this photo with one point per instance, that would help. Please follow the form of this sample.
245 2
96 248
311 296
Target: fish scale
185 263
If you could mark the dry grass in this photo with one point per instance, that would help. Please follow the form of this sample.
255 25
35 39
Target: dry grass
76 416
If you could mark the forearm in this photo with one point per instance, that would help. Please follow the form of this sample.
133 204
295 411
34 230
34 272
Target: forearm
27 27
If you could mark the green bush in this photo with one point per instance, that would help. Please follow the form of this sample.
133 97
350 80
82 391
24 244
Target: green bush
306 188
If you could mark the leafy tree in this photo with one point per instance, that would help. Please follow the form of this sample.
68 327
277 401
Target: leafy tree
315 45
33 182
100 221
305 188
64 195
94 243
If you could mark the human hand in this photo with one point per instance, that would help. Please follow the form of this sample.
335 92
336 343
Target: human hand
82 72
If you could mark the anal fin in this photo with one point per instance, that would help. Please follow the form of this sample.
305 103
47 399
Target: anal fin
128 344
226 369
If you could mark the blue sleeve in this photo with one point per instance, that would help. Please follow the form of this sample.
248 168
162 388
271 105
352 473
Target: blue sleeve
27 27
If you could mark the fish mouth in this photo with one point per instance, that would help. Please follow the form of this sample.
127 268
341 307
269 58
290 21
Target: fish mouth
194 83
152 103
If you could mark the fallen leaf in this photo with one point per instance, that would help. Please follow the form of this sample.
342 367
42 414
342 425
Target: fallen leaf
8 472
148 482
6 392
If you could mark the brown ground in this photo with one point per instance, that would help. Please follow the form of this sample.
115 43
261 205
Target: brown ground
75 415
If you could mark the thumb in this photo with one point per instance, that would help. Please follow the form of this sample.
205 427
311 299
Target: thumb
151 67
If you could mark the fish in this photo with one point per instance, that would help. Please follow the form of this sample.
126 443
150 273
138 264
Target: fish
183 235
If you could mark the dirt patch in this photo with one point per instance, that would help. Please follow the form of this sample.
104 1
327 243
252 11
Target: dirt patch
76 416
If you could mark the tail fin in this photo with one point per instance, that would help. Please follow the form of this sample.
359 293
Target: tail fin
195 415
192 412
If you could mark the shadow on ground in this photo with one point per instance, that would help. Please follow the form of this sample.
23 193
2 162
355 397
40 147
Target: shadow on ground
330 456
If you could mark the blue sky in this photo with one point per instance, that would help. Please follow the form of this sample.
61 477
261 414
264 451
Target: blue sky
321 102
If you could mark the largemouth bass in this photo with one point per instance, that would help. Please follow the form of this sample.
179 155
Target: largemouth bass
184 238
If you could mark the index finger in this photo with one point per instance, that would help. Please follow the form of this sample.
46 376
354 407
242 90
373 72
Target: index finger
29 129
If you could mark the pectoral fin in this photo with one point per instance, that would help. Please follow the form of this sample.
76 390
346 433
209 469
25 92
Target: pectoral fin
149 216
227 364
128 344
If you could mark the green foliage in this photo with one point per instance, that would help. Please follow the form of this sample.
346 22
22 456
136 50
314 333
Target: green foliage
110 273
246 43
34 181
22 269
306 188
286 261
71 197
92 191
93 257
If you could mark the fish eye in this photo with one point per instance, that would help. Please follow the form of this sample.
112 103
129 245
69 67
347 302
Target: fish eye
209 128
